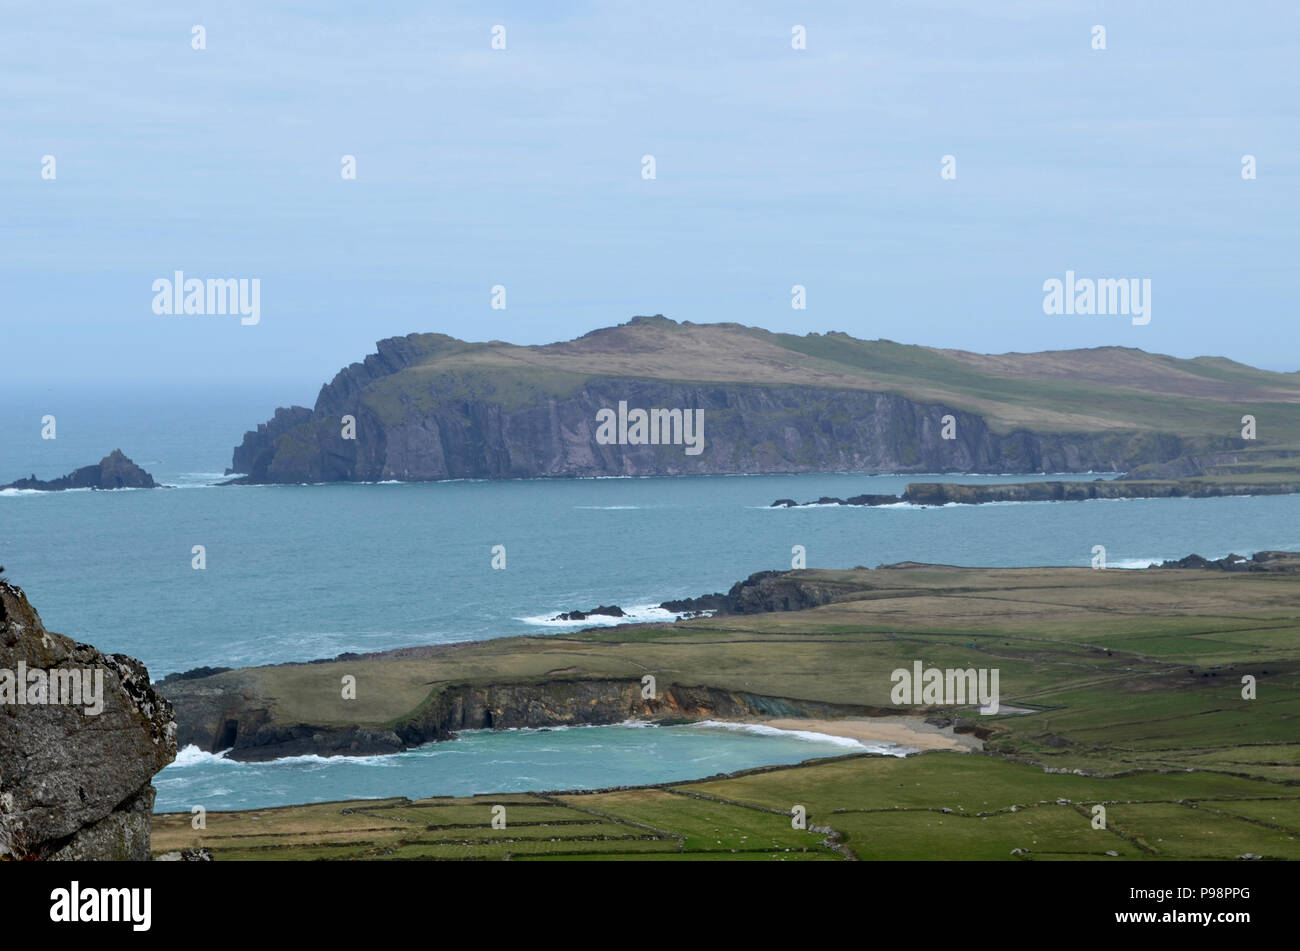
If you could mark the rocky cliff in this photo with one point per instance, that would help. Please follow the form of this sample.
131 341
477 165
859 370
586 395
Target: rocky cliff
429 407
114 471
221 716
74 784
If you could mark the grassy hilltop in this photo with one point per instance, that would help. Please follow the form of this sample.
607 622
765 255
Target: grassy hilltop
1105 388
1134 678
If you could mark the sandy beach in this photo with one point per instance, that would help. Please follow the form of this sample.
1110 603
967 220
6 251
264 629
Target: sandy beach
905 731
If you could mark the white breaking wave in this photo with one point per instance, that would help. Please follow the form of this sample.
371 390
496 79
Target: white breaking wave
193 756
762 729
1134 562
638 613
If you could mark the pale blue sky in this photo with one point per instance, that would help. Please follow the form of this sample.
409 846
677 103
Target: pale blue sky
522 167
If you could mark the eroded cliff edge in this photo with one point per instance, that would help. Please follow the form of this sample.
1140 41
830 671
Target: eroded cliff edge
76 785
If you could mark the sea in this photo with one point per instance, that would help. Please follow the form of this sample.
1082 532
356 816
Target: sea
296 573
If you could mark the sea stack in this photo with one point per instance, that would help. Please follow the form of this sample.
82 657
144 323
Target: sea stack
115 471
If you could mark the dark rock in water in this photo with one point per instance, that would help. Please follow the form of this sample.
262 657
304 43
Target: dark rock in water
115 471
75 784
830 500
605 610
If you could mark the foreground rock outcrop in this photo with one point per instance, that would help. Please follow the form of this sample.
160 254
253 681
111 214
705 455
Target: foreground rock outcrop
75 784
114 471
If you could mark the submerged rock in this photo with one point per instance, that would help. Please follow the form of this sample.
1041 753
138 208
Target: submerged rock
75 784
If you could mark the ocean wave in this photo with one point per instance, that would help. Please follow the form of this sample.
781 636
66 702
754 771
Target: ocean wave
609 508
193 756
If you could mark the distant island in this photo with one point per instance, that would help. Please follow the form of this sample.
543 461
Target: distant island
429 407
114 471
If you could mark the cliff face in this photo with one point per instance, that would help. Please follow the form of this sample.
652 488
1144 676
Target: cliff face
445 434
75 785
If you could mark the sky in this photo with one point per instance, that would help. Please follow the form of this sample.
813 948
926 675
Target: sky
523 167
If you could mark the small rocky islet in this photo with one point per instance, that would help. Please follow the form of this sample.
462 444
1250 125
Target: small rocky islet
114 471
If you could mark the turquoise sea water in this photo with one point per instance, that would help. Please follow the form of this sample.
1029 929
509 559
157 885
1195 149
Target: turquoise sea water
304 572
